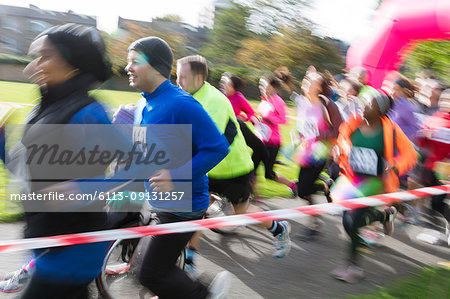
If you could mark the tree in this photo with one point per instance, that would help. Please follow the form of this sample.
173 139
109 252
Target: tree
269 16
117 46
169 18
432 56
230 28
294 47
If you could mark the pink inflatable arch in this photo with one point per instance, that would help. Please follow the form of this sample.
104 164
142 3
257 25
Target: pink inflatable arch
396 27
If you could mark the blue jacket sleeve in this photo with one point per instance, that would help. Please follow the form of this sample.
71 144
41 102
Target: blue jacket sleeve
209 146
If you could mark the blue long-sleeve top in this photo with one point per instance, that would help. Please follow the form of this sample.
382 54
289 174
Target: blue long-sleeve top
81 263
168 104
402 113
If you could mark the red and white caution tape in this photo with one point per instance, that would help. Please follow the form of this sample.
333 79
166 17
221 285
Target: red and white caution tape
235 220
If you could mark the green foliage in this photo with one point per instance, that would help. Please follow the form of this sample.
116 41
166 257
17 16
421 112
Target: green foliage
294 47
430 55
169 18
230 28
268 16
14 59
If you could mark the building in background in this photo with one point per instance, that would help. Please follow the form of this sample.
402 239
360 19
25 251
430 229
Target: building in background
20 25
195 36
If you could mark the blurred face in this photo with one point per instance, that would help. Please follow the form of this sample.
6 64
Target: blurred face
227 85
371 110
435 94
315 87
347 90
397 91
141 74
49 68
388 86
186 80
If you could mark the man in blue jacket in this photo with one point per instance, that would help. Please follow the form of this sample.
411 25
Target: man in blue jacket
149 65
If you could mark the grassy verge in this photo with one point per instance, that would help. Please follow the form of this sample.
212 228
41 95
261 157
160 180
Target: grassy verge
433 283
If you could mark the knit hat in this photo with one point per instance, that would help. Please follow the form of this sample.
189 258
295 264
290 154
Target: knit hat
81 46
157 53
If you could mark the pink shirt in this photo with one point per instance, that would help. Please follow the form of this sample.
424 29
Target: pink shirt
273 112
240 104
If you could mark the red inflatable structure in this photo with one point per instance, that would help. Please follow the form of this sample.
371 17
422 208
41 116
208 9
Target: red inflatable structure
398 25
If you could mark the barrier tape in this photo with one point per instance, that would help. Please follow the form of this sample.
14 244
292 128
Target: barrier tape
205 224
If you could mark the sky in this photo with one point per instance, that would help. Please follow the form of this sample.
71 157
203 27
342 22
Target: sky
347 20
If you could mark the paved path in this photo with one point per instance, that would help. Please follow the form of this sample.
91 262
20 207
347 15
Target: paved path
302 274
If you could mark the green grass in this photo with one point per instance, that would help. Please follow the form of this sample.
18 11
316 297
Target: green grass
432 283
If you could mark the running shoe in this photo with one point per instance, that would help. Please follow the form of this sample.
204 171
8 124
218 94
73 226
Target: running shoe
282 241
294 189
15 283
220 285
348 273
388 224
22 274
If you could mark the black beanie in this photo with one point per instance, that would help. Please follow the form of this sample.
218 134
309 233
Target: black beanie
158 53
81 46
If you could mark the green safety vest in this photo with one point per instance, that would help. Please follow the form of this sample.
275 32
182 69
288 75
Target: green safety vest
238 161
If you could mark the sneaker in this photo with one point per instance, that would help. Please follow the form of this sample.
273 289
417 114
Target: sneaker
282 241
388 224
220 285
349 273
294 189
13 285
21 274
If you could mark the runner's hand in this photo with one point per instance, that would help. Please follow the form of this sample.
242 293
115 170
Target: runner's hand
162 181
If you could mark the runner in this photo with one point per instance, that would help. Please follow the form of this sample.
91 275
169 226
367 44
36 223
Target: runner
272 110
434 139
403 112
372 151
349 104
149 65
64 74
231 85
231 177
318 121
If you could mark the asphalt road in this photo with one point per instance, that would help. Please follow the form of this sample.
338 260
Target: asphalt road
304 273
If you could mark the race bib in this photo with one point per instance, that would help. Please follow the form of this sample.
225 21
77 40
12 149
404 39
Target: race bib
309 128
363 160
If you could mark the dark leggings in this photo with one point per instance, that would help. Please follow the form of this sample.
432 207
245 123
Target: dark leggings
307 180
260 153
159 272
37 289
333 170
355 219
